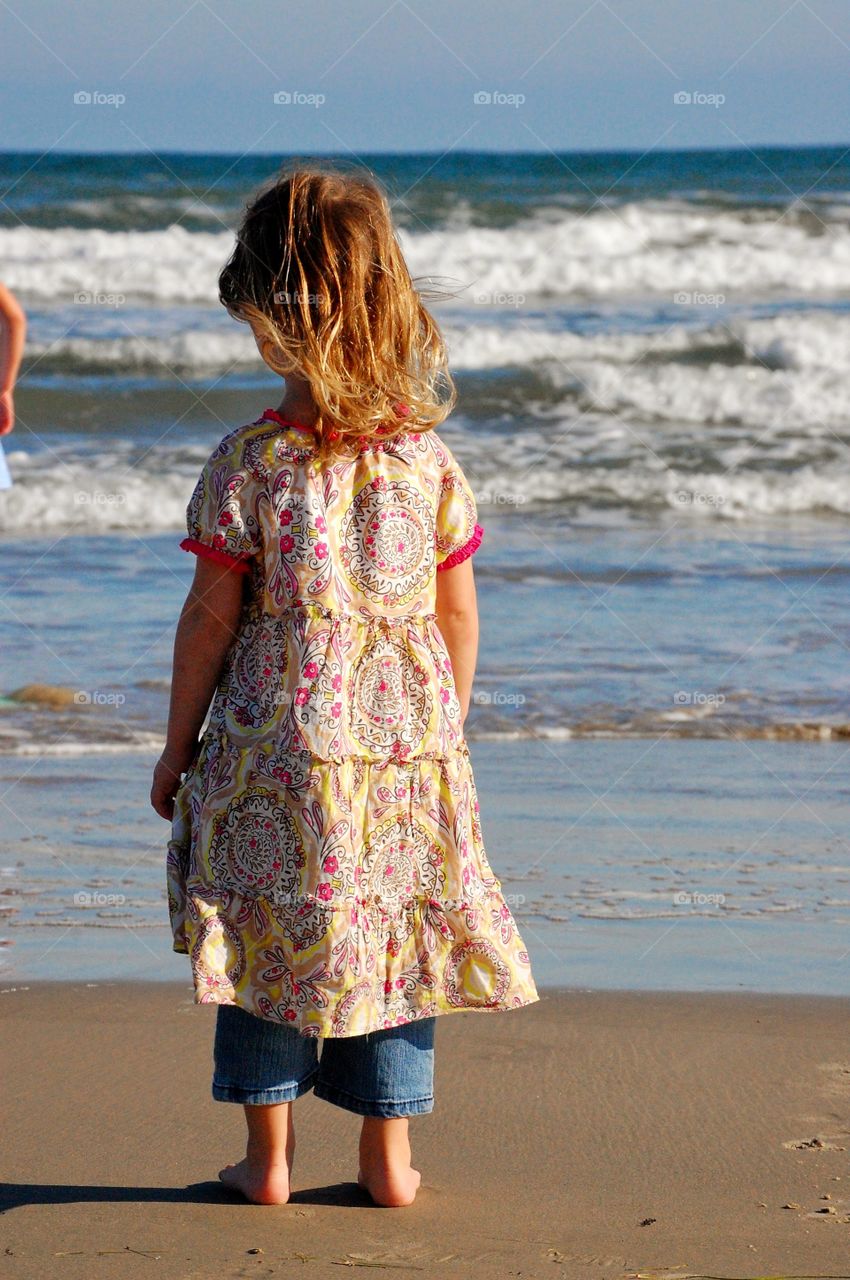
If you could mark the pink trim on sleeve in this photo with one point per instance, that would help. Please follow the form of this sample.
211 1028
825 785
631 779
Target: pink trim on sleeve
240 564
464 552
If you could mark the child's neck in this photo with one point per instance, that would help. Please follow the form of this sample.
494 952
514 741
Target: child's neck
298 404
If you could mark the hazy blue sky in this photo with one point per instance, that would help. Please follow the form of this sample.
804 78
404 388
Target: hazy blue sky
403 75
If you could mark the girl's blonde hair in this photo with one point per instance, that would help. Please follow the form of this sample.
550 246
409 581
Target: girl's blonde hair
319 275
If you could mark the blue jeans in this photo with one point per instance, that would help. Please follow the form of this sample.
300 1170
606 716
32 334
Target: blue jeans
385 1073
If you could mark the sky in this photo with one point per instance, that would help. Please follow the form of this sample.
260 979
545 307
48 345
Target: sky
241 76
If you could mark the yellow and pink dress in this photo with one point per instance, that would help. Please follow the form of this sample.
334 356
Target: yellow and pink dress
326 867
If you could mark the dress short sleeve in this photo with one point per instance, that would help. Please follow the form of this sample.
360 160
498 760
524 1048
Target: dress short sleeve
222 518
458 532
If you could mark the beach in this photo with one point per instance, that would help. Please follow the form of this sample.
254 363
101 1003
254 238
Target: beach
595 1134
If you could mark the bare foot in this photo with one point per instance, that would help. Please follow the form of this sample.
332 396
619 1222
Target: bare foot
390 1187
264 1176
261 1184
386 1171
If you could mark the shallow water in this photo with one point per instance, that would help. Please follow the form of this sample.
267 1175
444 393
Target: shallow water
628 864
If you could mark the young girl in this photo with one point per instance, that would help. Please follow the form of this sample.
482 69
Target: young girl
326 872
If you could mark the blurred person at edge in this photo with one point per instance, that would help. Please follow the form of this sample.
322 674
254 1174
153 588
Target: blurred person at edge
13 326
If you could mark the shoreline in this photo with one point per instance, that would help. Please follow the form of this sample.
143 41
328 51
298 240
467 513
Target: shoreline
607 1132
548 990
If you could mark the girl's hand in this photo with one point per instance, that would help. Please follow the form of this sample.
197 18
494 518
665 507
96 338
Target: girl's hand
166 779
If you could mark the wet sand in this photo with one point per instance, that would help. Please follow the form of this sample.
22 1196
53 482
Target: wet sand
592 1134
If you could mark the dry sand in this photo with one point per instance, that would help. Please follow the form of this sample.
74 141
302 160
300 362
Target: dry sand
593 1134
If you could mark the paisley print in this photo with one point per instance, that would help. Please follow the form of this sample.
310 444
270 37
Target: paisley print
255 847
401 863
457 509
389 699
326 867
258 664
357 1000
475 975
344 782
305 923
403 869
387 539
286 768
218 956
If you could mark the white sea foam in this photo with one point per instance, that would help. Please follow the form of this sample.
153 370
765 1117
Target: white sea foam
55 266
57 491
482 347
753 397
647 248
654 247
26 740
798 339
142 742
98 494
189 351
751 353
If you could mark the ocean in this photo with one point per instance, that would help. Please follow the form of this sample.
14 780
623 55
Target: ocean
652 357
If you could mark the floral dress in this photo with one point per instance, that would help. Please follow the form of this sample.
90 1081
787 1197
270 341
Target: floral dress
326 868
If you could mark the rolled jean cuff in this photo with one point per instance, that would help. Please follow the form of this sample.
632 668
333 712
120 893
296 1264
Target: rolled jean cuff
263 1097
363 1107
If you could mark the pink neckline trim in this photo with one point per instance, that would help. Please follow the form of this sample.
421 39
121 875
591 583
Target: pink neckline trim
464 552
284 422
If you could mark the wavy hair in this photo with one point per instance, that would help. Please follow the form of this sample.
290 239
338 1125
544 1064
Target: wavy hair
318 273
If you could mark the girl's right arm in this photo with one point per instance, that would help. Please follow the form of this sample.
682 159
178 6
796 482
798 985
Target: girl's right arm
457 619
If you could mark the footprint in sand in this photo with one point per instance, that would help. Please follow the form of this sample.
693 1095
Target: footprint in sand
836 1081
835 1084
820 1142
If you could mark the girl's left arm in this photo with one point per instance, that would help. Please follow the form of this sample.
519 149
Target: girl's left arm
207 628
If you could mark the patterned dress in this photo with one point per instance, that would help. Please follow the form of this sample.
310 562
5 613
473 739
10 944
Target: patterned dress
326 867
